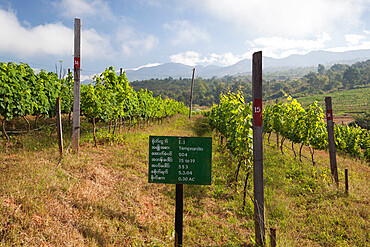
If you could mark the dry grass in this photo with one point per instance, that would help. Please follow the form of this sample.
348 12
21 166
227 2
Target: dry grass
315 212
101 197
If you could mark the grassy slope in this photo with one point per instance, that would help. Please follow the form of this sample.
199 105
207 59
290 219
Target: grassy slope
346 102
101 197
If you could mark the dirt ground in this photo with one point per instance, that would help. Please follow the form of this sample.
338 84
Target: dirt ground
343 119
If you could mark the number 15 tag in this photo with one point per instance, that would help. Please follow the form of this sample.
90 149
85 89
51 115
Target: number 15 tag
257 112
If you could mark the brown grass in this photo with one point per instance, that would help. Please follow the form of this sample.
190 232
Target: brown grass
101 196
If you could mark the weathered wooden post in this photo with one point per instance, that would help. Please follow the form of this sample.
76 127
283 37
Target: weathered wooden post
59 127
76 97
330 127
179 213
273 237
120 117
259 208
191 92
277 133
346 181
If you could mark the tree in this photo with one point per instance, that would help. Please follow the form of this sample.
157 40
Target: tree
351 77
321 69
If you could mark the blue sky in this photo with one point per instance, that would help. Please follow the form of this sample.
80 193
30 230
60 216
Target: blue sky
135 33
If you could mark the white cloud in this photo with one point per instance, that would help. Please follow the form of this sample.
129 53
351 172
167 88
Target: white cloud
84 8
278 47
354 39
49 39
193 58
133 42
156 3
190 58
146 66
95 45
354 42
184 33
287 18
55 39
226 59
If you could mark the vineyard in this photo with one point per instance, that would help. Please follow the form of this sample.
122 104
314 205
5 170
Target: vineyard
305 126
110 97
101 197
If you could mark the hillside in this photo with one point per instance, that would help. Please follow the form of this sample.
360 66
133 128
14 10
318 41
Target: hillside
101 196
312 59
347 85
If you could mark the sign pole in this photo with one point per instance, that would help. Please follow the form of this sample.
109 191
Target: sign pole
76 96
179 161
330 127
179 213
259 208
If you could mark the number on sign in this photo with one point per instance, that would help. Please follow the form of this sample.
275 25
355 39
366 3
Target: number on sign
77 62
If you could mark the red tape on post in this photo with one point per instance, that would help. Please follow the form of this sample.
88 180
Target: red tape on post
257 112
77 62
329 115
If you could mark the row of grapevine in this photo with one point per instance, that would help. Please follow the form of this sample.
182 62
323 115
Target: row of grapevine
307 127
353 140
232 118
293 122
112 97
24 92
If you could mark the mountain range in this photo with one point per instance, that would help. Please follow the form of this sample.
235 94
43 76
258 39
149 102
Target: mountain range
176 70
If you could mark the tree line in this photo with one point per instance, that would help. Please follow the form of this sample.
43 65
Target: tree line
275 84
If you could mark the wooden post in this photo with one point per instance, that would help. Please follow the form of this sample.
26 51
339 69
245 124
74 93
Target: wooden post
191 92
69 110
259 208
346 180
179 212
330 127
120 117
273 237
76 96
277 133
59 127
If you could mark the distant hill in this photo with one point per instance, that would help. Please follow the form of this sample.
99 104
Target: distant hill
314 58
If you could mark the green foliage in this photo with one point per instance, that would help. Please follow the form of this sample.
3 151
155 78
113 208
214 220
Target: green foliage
23 92
363 119
51 86
66 94
111 96
206 91
293 122
306 126
15 91
353 140
233 119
